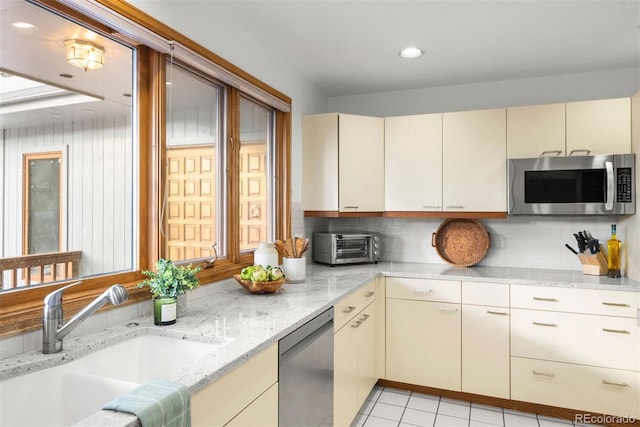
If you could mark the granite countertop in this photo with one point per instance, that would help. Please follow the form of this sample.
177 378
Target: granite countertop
245 324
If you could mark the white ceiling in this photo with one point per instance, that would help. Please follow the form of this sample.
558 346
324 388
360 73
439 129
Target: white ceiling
351 47
39 54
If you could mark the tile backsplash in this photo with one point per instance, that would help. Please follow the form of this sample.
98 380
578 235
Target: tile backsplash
522 241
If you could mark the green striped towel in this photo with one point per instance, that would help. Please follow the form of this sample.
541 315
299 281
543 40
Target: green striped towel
158 403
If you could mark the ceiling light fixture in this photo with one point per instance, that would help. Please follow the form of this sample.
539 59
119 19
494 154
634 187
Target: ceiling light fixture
22 25
84 54
411 52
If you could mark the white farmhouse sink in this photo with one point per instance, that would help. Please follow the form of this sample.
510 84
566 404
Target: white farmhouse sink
65 394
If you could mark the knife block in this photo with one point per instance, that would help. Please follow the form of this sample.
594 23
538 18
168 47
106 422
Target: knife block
594 264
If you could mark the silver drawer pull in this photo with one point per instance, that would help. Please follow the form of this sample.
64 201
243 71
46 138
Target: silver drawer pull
552 325
499 313
351 207
369 294
348 309
545 299
430 206
455 207
447 309
616 331
615 304
356 324
543 374
421 291
607 382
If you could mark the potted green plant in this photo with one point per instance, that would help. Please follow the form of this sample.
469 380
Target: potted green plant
168 284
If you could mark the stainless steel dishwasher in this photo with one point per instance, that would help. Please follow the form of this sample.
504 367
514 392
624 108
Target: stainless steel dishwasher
305 388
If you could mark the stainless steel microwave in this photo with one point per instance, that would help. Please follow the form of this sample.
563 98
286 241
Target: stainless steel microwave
574 185
346 248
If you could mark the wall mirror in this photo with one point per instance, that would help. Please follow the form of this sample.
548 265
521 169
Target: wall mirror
67 150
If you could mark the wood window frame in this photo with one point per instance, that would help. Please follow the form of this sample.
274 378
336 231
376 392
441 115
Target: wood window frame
21 310
26 157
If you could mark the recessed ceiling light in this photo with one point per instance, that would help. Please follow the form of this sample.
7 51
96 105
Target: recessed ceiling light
22 25
411 52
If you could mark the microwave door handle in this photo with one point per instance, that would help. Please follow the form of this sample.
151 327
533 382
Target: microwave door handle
610 186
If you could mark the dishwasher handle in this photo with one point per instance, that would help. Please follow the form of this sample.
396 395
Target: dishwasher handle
305 334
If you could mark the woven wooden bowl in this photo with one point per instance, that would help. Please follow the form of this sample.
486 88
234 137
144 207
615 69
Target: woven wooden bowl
260 287
461 242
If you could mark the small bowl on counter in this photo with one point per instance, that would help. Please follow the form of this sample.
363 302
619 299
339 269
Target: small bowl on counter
268 287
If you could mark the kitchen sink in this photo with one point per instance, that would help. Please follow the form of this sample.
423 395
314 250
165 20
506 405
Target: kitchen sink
65 394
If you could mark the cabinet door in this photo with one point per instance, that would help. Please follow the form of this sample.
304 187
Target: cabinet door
599 127
361 163
262 412
485 350
423 343
536 131
345 374
222 400
413 163
474 167
366 335
320 162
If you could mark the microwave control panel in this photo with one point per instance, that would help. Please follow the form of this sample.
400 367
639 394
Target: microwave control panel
624 185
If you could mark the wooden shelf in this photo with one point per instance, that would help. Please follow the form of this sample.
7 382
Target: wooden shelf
406 214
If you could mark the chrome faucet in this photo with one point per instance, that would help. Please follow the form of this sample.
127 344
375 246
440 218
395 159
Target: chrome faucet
53 327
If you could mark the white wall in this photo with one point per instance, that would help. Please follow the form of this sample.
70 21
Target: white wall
508 93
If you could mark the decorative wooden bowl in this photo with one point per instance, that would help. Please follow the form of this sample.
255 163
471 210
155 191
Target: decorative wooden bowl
260 287
461 242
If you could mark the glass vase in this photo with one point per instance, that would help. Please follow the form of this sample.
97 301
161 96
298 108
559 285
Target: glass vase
164 310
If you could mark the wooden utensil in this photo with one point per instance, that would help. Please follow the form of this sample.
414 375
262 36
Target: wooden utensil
299 245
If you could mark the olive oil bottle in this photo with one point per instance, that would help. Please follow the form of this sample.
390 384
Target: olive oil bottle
613 251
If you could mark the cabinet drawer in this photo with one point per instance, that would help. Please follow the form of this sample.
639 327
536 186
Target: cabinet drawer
423 289
584 388
346 309
481 293
590 301
605 341
219 402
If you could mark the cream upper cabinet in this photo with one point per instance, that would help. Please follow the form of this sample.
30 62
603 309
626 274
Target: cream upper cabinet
474 165
320 162
536 131
599 127
361 163
343 163
413 163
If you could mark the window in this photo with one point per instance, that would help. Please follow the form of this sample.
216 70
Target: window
193 205
153 171
256 166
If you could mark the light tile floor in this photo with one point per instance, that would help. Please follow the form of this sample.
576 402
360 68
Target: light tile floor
392 407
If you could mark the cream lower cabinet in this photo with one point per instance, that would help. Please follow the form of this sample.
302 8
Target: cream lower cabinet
485 339
576 348
423 341
247 396
355 349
